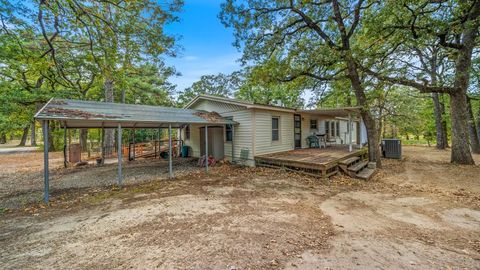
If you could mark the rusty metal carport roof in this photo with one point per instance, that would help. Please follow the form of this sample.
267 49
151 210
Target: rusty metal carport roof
93 114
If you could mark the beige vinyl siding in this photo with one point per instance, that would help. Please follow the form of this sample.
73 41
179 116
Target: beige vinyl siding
254 129
263 134
242 132
242 135
321 126
306 129
215 106
194 141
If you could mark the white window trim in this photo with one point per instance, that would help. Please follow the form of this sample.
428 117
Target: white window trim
271 130
225 131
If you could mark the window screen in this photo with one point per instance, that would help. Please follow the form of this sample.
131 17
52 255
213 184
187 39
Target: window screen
229 131
313 124
187 132
275 130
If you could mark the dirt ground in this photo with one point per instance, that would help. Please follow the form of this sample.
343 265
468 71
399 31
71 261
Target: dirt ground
21 176
418 213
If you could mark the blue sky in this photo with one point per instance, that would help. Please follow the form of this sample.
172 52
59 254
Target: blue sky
207 44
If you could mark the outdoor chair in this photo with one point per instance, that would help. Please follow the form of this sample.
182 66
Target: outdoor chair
322 140
331 140
312 141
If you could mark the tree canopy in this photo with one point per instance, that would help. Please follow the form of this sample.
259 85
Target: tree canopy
412 66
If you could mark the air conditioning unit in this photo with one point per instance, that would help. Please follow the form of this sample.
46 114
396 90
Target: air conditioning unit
392 148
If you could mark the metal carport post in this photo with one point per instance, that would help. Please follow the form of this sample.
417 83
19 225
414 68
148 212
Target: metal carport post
119 154
233 143
170 166
92 114
206 149
45 161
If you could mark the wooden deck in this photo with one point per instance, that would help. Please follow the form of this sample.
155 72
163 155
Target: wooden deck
322 162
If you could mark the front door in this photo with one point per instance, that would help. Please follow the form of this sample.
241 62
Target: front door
297 130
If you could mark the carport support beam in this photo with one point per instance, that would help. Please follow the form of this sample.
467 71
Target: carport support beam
134 148
350 148
179 143
45 161
119 154
206 149
233 143
170 167
159 144
103 145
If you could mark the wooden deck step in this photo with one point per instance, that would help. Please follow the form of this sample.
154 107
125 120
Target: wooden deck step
358 166
349 161
366 173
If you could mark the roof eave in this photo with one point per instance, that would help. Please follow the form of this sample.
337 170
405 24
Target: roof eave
243 104
112 120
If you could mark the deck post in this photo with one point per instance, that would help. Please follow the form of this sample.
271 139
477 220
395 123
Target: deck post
45 161
155 146
206 149
233 143
170 168
119 154
65 144
350 147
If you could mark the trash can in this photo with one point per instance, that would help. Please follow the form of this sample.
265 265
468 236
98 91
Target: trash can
392 148
185 151
164 154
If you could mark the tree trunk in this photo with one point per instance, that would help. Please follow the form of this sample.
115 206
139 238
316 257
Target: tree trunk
370 125
3 138
109 133
472 129
23 140
458 102
51 144
478 124
33 137
460 147
83 139
444 121
439 122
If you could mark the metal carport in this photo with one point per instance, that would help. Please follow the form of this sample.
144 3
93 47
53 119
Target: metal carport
92 114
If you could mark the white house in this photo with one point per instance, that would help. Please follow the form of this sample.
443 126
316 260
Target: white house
264 129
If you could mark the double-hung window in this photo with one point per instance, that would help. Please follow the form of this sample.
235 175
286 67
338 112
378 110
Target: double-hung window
313 123
228 131
187 132
275 128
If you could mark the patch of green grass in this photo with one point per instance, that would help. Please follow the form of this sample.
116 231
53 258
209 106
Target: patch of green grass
417 142
3 210
103 196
